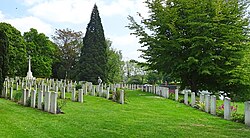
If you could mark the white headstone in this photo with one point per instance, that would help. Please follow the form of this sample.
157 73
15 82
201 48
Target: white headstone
33 99
227 108
53 107
186 97
176 94
247 113
207 103
213 105
40 100
122 97
193 100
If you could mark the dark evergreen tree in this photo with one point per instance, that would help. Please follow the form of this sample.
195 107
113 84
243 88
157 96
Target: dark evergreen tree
3 58
93 59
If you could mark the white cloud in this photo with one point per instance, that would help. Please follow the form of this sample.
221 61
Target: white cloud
25 23
78 11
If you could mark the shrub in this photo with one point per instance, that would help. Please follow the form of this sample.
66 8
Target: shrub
200 106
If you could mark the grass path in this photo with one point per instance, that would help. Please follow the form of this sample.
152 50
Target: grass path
144 115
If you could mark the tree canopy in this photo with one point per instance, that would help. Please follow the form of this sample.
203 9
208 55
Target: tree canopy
4 60
205 44
42 51
69 43
16 52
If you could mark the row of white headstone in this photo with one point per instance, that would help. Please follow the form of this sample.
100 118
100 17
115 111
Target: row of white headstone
44 88
208 100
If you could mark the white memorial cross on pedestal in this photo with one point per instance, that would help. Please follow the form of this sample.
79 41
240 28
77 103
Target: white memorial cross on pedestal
29 73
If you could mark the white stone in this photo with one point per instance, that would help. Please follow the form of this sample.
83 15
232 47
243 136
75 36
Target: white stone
53 104
47 102
63 93
202 97
93 90
107 93
213 105
122 97
193 100
40 100
80 95
186 97
24 100
11 93
33 99
176 94
227 108
247 113
29 73
207 103
73 94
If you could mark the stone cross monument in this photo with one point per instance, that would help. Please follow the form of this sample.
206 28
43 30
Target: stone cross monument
29 73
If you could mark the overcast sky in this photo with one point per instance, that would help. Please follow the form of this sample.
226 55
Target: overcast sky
48 15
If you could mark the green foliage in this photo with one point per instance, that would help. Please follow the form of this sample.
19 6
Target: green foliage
4 60
200 106
16 51
78 86
205 44
93 59
69 43
17 96
115 64
42 51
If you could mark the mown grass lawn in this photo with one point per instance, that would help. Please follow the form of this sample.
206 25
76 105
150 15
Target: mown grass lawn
143 115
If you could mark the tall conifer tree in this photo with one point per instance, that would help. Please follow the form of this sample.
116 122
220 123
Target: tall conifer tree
93 59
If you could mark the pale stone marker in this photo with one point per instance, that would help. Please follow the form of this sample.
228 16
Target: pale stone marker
24 100
207 103
247 113
63 93
176 94
11 93
47 101
193 99
40 100
80 97
33 99
93 90
73 95
213 105
122 97
186 97
227 108
202 97
53 107
107 93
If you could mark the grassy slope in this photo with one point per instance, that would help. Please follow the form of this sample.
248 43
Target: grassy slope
144 115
